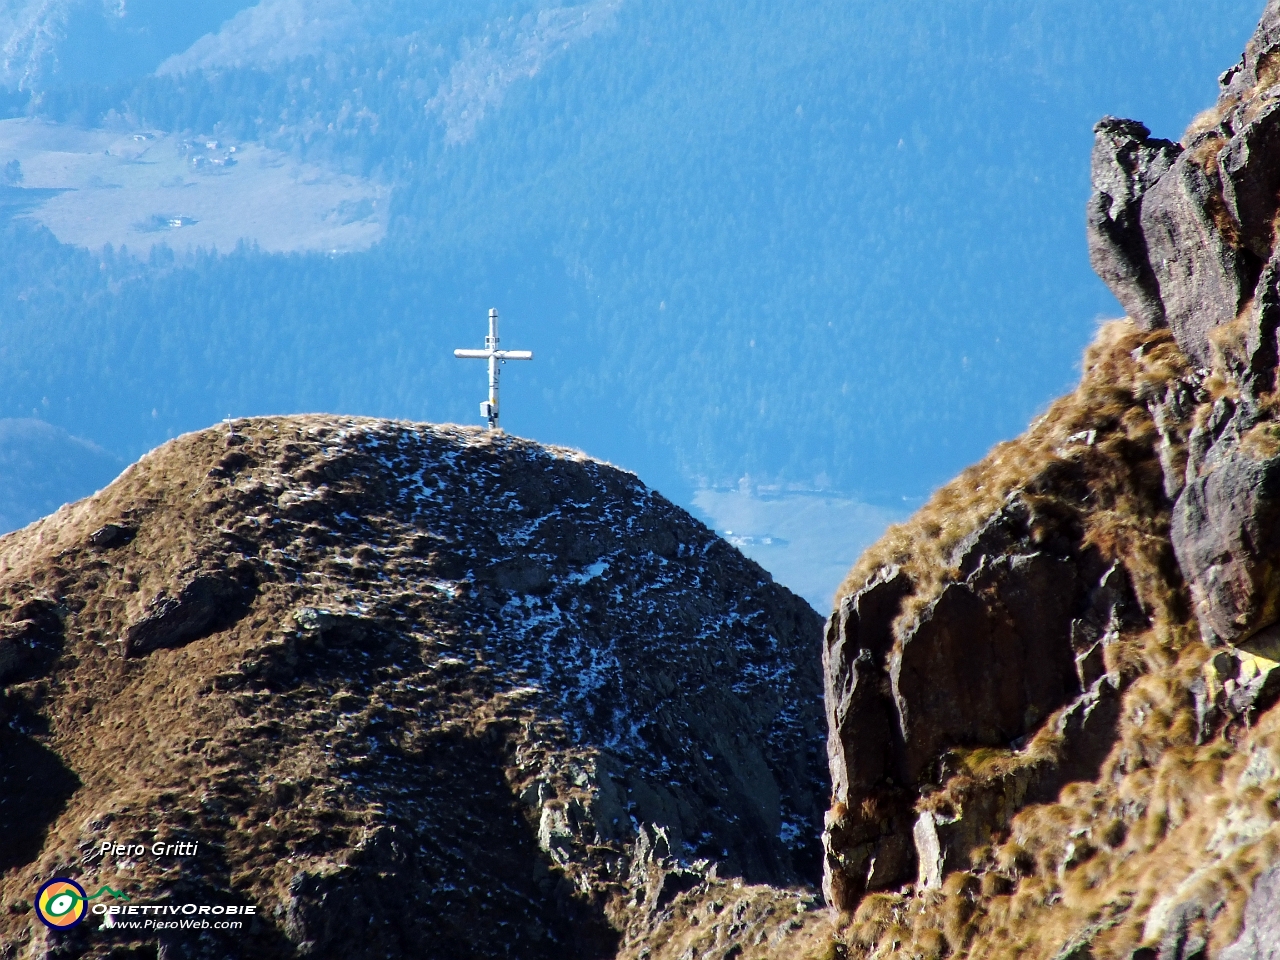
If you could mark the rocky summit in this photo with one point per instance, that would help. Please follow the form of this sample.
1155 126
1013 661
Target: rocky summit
379 689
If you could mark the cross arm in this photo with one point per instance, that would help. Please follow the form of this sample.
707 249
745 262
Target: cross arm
472 354
513 354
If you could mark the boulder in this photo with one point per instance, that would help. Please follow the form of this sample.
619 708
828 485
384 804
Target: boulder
206 603
111 535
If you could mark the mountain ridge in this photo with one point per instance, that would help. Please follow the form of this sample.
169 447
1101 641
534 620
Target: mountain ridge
362 664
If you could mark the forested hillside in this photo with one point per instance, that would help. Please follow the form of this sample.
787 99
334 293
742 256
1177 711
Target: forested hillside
820 244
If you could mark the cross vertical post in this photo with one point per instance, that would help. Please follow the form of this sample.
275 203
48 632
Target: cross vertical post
489 408
491 344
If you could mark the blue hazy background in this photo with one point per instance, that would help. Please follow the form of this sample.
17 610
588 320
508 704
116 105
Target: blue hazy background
794 264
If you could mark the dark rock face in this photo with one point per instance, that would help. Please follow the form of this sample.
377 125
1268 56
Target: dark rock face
1181 235
1249 166
946 835
1088 728
864 742
1203 276
30 640
988 660
1260 939
1253 363
998 696
1226 528
1126 163
111 535
982 664
861 723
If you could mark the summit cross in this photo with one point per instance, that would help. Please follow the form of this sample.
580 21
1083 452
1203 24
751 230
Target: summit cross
489 408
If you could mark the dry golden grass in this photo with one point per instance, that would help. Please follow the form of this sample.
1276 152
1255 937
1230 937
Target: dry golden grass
1102 425
709 922
1204 154
1204 121
1262 442
1268 72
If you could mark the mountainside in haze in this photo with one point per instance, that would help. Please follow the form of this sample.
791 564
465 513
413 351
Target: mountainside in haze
405 689
42 467
791 195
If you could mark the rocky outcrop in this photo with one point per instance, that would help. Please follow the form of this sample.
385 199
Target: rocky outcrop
1054 692
1129 809
988 659
1067 664
30 640
1201 217
1237 685
490 698
1181 232
861 722
206 603
982 664
1203 274
1126 164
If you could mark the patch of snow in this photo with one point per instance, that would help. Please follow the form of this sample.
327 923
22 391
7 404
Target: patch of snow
590 573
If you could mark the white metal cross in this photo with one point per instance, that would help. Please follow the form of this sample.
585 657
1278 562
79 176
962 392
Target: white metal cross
489 408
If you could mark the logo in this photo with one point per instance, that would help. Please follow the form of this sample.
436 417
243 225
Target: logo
62 903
